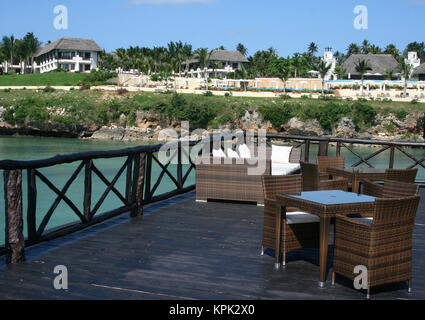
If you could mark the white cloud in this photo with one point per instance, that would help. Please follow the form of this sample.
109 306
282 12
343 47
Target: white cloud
177 2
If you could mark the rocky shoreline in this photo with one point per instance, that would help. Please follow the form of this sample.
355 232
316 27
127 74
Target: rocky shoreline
150 127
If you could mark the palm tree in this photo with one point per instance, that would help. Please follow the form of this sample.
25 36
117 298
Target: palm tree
312 48
284 76
242 49
388 74
392 49
340 71
204 60
299 63
405 70
323 69
353 49
31 44
187 55
366 47
281 68
21 53
9 47
362 66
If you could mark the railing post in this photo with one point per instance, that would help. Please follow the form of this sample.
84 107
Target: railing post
14 218
129 180
138 184
179 166
32 205
391 165
88 190
338 149
148 195
307 151
323 148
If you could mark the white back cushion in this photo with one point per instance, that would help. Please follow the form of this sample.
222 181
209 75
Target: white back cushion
218 153
244 151
281 154
232 154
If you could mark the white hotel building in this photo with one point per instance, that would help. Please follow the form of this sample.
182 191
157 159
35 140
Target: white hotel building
70 54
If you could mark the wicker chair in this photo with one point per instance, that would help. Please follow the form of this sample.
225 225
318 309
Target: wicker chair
299 230
403 175
390 189
312 181
383 243
325 162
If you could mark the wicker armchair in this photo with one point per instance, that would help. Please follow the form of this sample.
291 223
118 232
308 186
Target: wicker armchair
403 175
390 189
325 162
299 229
383 243
312 181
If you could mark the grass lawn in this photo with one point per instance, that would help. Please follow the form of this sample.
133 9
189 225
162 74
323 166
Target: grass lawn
45 79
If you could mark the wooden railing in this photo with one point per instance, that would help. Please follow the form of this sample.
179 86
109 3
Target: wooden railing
341 143
140 188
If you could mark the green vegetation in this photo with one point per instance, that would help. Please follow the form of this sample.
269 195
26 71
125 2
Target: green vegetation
56 79
102 108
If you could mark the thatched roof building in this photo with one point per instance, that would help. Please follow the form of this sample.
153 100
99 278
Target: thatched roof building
379 65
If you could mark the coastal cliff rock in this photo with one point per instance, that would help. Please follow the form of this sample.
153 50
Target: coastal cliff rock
148 125
346 129
309 128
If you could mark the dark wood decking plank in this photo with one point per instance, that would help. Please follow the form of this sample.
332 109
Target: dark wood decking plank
188 250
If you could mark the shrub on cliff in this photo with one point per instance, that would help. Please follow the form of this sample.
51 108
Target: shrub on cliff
363 114
331 113
277 115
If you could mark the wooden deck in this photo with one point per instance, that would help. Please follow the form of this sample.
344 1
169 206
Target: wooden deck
185 250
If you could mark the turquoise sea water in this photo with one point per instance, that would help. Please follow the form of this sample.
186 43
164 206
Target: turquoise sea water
32 148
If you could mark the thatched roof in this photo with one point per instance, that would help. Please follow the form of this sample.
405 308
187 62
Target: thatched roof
420 69
69 44
378 63
222 55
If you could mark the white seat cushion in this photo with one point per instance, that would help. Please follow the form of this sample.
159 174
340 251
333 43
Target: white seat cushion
280 169
244 151
218 153
298 217
281 154
232 154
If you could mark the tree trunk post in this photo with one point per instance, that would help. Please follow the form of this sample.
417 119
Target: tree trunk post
323 148
138 184
14 217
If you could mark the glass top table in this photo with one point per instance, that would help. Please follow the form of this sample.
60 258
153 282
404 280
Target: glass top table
357 174
333 197
326 204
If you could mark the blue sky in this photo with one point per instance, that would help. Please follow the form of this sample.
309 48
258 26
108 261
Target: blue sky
288 26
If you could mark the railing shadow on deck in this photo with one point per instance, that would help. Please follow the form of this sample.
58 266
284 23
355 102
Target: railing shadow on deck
140 189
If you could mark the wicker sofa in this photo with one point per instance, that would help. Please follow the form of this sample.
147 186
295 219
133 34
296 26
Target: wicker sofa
219 180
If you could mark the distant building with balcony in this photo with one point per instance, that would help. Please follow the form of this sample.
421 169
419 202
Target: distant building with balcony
221 63
70 54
